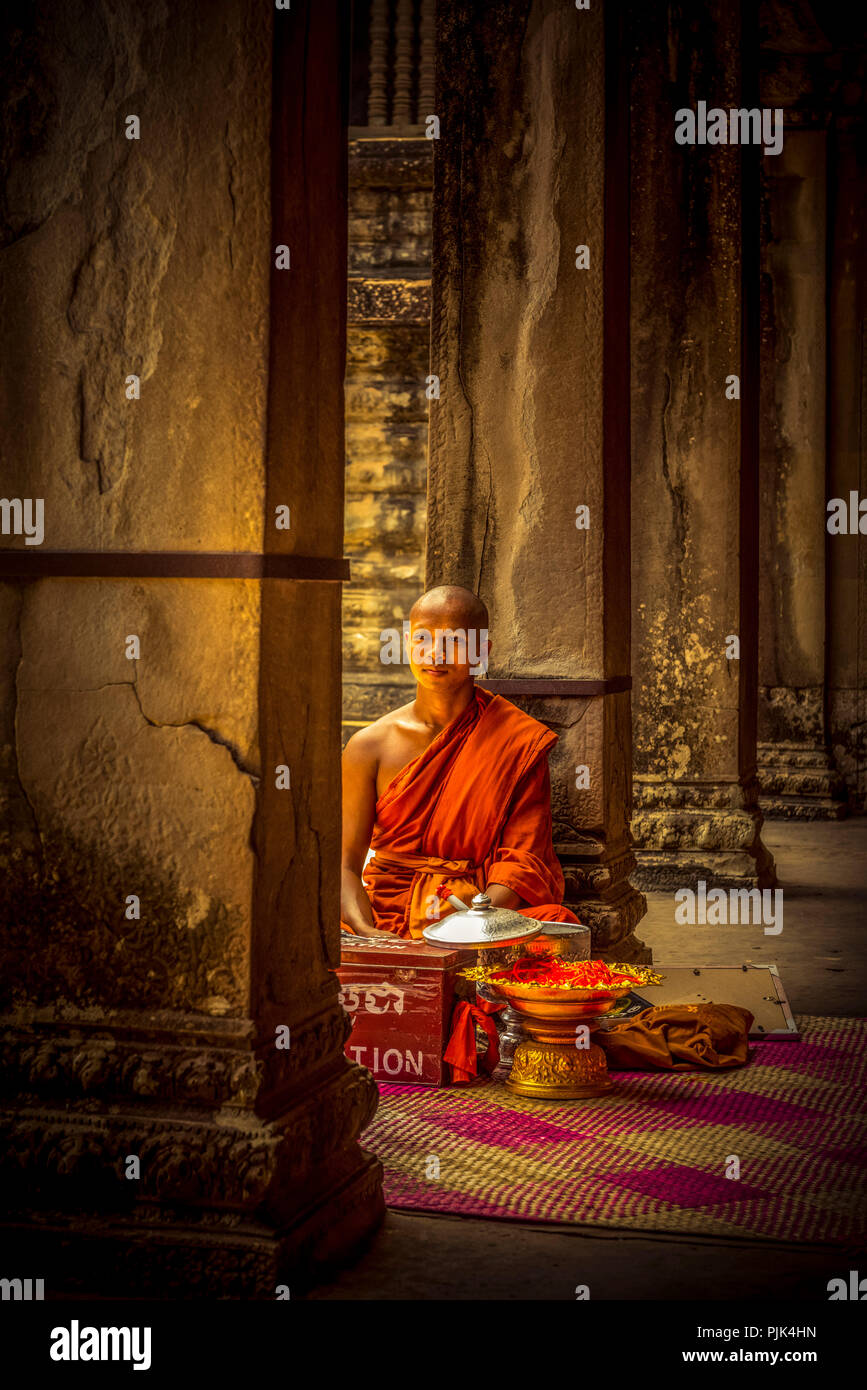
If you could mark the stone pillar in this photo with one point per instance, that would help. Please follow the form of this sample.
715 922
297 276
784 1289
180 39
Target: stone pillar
796 774
694 458
847 471
386 412
178 1116
531 424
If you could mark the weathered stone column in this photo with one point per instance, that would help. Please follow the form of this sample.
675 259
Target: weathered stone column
796 774
847 470
178 1117
531 424
694 324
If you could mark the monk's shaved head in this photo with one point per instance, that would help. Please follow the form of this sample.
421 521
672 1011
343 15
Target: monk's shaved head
464 609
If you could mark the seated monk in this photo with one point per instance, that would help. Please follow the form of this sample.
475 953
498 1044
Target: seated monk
451 792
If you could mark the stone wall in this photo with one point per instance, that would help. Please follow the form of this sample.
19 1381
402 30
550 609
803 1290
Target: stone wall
387 365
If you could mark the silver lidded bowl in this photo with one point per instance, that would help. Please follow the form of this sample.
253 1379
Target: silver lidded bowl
481 926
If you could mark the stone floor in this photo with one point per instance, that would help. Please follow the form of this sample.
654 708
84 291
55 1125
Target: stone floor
822 870
823 873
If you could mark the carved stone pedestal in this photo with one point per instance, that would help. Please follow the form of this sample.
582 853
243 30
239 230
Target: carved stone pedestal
799 781
161 1156
690 831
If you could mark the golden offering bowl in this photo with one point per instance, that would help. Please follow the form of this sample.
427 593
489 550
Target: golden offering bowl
552 1005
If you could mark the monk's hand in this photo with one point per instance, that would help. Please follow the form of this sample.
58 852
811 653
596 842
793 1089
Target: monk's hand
365 929
355 908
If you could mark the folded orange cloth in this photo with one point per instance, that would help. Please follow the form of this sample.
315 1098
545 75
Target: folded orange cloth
677 1037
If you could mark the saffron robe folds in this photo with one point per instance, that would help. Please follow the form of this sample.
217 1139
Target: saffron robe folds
473 809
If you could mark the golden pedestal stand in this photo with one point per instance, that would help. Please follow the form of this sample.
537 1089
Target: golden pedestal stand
555 1059
547 1068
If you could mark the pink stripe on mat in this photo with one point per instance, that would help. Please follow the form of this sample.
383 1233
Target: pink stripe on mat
715 1107
508 1131
685 1187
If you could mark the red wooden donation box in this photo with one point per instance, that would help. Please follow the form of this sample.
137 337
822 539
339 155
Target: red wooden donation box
399 996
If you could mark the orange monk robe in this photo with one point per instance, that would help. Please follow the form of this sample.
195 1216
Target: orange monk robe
473 809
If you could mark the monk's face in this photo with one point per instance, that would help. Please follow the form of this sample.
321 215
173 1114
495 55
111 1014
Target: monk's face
444 653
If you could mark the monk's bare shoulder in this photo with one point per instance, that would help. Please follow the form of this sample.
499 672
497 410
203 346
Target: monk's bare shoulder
368 745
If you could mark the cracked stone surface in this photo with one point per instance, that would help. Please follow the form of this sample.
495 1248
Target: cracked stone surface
143 257
199 659
133 794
